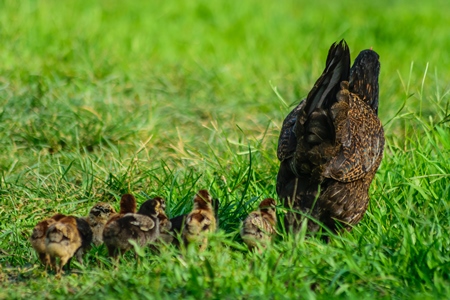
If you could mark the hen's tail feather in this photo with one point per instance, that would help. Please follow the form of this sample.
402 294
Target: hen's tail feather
363 79
337 69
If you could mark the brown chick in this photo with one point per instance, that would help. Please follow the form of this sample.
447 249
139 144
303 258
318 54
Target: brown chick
176 230
65 238
178 222
141 227
200 221
98 216
37 238
258 228
164 223
127 205
86 234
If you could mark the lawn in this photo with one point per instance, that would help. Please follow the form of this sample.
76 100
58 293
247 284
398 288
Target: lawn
100 98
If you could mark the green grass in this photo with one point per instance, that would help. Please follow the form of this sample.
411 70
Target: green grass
98 98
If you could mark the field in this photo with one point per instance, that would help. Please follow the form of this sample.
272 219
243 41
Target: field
99 98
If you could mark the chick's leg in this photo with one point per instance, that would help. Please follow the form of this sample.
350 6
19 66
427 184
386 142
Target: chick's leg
62 263
53 265
45 259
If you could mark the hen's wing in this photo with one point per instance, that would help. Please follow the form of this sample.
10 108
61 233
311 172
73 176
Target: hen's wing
360 137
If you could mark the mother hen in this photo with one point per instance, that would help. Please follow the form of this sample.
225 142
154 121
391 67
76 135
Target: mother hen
331 144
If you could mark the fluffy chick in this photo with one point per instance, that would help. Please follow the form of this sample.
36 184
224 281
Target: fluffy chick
141 227
86 234
165 225
200 221
127 205
98 216
65 238
259 226
178 222
176 229
37 238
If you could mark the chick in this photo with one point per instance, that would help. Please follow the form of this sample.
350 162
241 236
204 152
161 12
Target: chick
176 230
65 238
127 205
165 225
200 221
86 234
178 223
37 238
259 226
99 214
141 227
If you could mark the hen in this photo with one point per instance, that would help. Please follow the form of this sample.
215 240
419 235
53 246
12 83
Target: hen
331 144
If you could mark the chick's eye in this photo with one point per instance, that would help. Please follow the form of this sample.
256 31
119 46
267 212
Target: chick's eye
205 227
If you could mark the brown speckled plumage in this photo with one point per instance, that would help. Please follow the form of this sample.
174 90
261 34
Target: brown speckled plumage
258 227
127 205
333 142
164 222
65 238
98 216
200 221
178 222
141 227
37 238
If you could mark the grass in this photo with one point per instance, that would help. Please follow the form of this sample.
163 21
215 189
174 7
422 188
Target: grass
98 98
